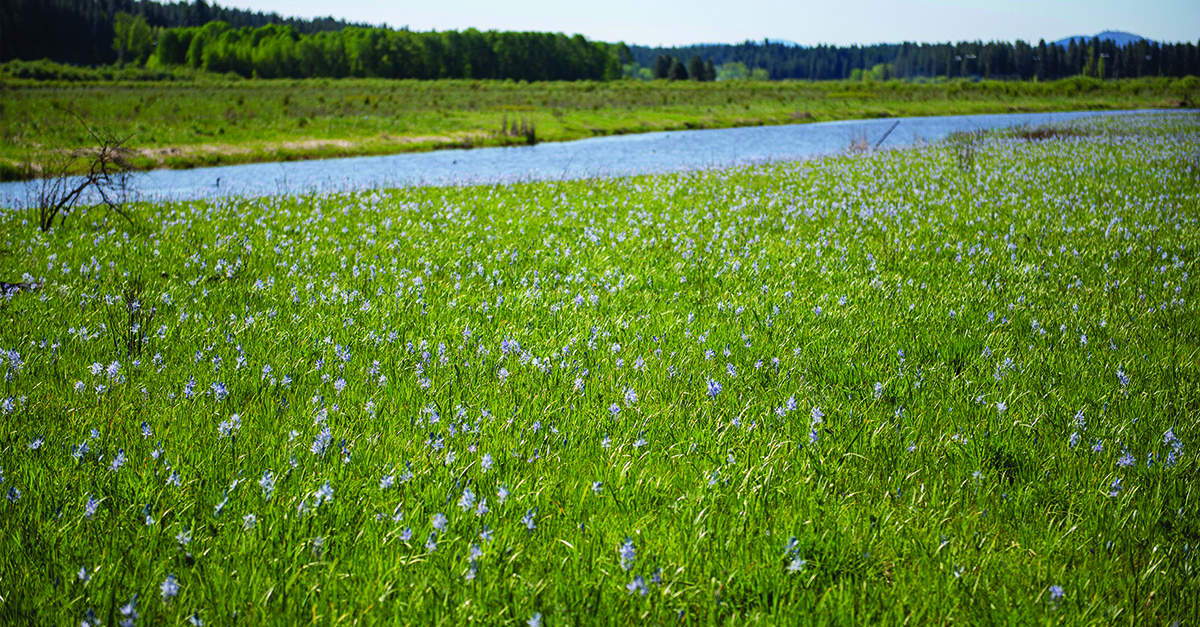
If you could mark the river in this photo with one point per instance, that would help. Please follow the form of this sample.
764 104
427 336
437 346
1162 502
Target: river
596 157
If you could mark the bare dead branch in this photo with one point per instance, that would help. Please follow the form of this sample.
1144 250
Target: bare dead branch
107 175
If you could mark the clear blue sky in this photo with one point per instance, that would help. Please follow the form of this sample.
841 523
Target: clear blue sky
676 22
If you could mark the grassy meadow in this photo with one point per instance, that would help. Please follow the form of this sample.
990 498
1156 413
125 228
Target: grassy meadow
957 384
204 121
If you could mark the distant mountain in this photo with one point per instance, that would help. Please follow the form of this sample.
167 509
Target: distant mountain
1118 37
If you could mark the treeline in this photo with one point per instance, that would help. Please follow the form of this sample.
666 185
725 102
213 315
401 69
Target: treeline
81 32
992 60
166 36
212 38
276 51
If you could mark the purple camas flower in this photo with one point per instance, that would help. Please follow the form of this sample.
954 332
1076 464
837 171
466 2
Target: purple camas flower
169 588
189 387
628 554
467 500
267 483
324 494
129 613
1176 445
321 442
230 427
118 461
714 387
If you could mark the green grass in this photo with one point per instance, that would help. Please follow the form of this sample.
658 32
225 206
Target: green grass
952 311
204 122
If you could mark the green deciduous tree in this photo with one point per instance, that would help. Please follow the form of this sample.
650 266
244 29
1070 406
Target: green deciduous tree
132 36
734 71
662 66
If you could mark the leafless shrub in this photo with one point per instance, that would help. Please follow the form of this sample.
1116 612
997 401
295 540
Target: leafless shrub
521 128
1043 133
859 143
100 173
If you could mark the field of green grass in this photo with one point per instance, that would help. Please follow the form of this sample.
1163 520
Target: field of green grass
950 384
204 122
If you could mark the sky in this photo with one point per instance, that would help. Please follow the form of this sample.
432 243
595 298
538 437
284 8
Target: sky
808 22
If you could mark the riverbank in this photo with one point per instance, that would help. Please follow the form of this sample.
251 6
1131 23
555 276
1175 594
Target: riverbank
205 123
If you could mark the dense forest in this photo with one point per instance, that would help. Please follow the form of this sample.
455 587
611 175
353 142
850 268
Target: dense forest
215 39
212 38
993 60
81 32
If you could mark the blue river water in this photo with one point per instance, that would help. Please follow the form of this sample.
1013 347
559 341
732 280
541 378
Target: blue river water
646 153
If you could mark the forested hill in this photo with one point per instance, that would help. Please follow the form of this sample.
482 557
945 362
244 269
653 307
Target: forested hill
997 60
215 39
80 32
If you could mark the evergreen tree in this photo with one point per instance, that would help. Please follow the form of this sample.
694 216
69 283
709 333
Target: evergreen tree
662 66
677 72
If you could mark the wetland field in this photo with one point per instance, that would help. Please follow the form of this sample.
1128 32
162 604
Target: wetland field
954 383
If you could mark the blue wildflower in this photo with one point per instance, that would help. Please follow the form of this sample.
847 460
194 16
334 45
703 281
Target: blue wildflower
714 387
169 588
628 554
